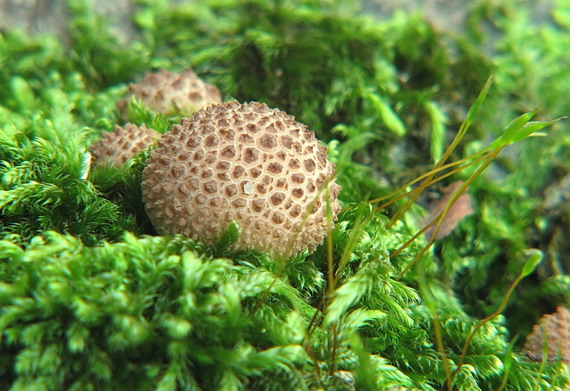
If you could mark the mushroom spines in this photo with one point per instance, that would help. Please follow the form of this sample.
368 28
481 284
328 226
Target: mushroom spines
245 163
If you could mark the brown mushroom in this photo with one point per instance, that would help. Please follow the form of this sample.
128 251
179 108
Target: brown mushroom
245 163
556 329
172 93
115 148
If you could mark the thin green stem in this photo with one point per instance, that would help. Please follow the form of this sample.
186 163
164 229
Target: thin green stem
283 258
330 266
456 140
426 293
485 320
475 158
480 158
440 218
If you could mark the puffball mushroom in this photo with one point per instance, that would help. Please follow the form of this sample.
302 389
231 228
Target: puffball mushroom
173 93
245 163
115 148
555 327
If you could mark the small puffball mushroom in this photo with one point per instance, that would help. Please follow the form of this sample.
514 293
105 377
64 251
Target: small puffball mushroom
245 163
115 148
556 328
173 93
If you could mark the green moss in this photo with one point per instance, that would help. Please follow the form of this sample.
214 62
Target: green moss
92 298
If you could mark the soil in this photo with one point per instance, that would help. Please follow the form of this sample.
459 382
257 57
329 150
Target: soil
49 16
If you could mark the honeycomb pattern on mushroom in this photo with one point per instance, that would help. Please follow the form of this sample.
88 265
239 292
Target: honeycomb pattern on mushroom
556 328
173 93
245 163
115 148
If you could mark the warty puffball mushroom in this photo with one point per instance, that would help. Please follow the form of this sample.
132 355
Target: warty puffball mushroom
115 148
173 93
556 328
245 163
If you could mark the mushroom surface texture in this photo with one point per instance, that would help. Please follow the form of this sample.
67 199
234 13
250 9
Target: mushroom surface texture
115 148
556 328
173 93
245 163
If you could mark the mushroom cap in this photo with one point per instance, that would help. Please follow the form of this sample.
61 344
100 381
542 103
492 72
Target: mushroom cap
556 328
173 93
115 148
245 163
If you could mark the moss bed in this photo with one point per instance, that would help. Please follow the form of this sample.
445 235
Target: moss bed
92 298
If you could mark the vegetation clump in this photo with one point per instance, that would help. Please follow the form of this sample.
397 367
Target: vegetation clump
92 297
